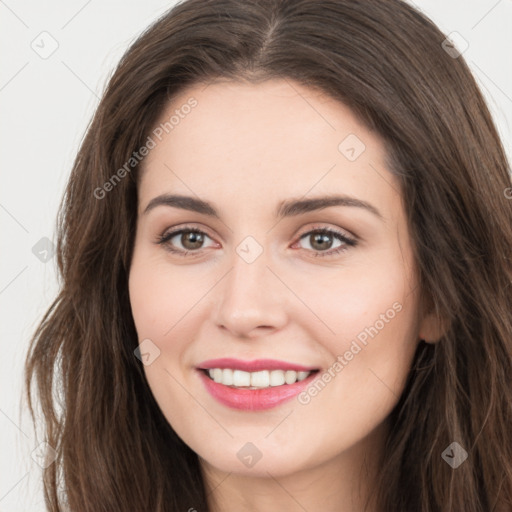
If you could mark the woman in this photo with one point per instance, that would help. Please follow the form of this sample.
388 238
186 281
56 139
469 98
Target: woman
285 251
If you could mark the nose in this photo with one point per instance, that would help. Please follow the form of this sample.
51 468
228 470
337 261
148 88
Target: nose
251 300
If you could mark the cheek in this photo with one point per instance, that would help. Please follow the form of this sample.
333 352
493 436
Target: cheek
157 309
371 324
350 300
161 304
159 296
168 309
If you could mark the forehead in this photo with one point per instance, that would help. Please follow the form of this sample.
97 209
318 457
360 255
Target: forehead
262 142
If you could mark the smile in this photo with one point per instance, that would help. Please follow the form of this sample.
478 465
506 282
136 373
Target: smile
254 385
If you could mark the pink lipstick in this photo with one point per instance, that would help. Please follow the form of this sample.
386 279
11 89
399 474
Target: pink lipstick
261 384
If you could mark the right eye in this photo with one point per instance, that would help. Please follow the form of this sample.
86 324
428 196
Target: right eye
190 239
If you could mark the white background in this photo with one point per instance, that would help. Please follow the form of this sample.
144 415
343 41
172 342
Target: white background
45 107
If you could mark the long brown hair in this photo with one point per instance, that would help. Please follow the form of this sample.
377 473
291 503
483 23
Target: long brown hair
386 61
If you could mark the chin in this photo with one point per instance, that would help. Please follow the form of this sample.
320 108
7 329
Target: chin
255 459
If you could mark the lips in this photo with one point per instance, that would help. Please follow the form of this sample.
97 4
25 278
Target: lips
250 398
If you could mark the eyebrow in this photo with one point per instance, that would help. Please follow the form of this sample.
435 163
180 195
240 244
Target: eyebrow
288 208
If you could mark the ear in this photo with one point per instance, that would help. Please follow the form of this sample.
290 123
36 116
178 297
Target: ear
432 328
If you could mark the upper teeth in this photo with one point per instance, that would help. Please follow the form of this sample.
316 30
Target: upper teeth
261 379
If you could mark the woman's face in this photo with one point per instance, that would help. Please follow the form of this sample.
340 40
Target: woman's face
274 274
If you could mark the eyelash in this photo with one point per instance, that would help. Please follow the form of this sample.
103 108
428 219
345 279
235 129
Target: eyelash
347 241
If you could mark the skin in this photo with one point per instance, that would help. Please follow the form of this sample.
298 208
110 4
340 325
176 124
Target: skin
245 149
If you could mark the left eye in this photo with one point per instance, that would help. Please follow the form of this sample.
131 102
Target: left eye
321 241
